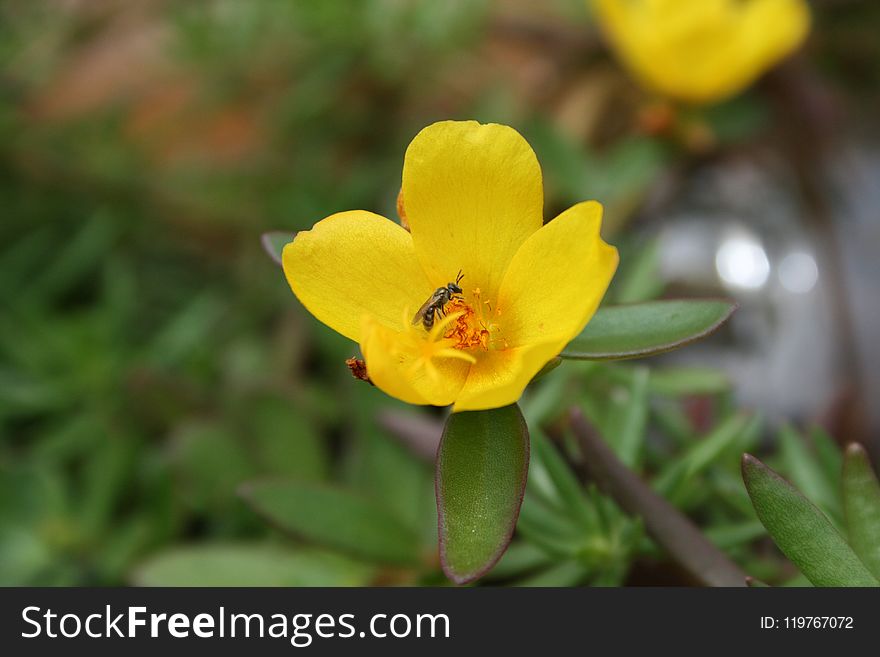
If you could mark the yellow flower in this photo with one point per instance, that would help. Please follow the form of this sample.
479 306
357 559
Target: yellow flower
474 203
702 51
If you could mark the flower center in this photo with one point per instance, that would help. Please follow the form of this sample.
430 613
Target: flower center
474 326
463 329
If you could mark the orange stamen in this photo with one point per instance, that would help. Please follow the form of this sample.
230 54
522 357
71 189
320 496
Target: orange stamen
469 330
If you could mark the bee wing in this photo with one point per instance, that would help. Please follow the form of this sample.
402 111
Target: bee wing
420 314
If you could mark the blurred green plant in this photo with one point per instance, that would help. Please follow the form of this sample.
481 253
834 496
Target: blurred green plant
571 516
809 538
145 371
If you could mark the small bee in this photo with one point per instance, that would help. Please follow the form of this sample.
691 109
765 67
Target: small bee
435 303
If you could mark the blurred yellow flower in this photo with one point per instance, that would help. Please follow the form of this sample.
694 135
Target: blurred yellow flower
702 51
474 203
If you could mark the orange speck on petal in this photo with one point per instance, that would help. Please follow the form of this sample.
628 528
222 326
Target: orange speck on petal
401 210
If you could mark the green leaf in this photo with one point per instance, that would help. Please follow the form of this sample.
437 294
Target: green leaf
565 483
801 531
639 280
679 381
550 528
274 242
733 535
248 565
566 573
807 474
520 559
628 418
670 417
861 500
187 330
108 472
646 329
798 581
739 432
728 436
334 518
829 454
482 465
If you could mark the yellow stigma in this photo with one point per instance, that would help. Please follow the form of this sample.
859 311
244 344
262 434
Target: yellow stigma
424 349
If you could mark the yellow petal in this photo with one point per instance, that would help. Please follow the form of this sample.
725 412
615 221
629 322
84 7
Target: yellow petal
355 263
473 195
702 50
408 366
556 280
498 378
550 291
791 21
